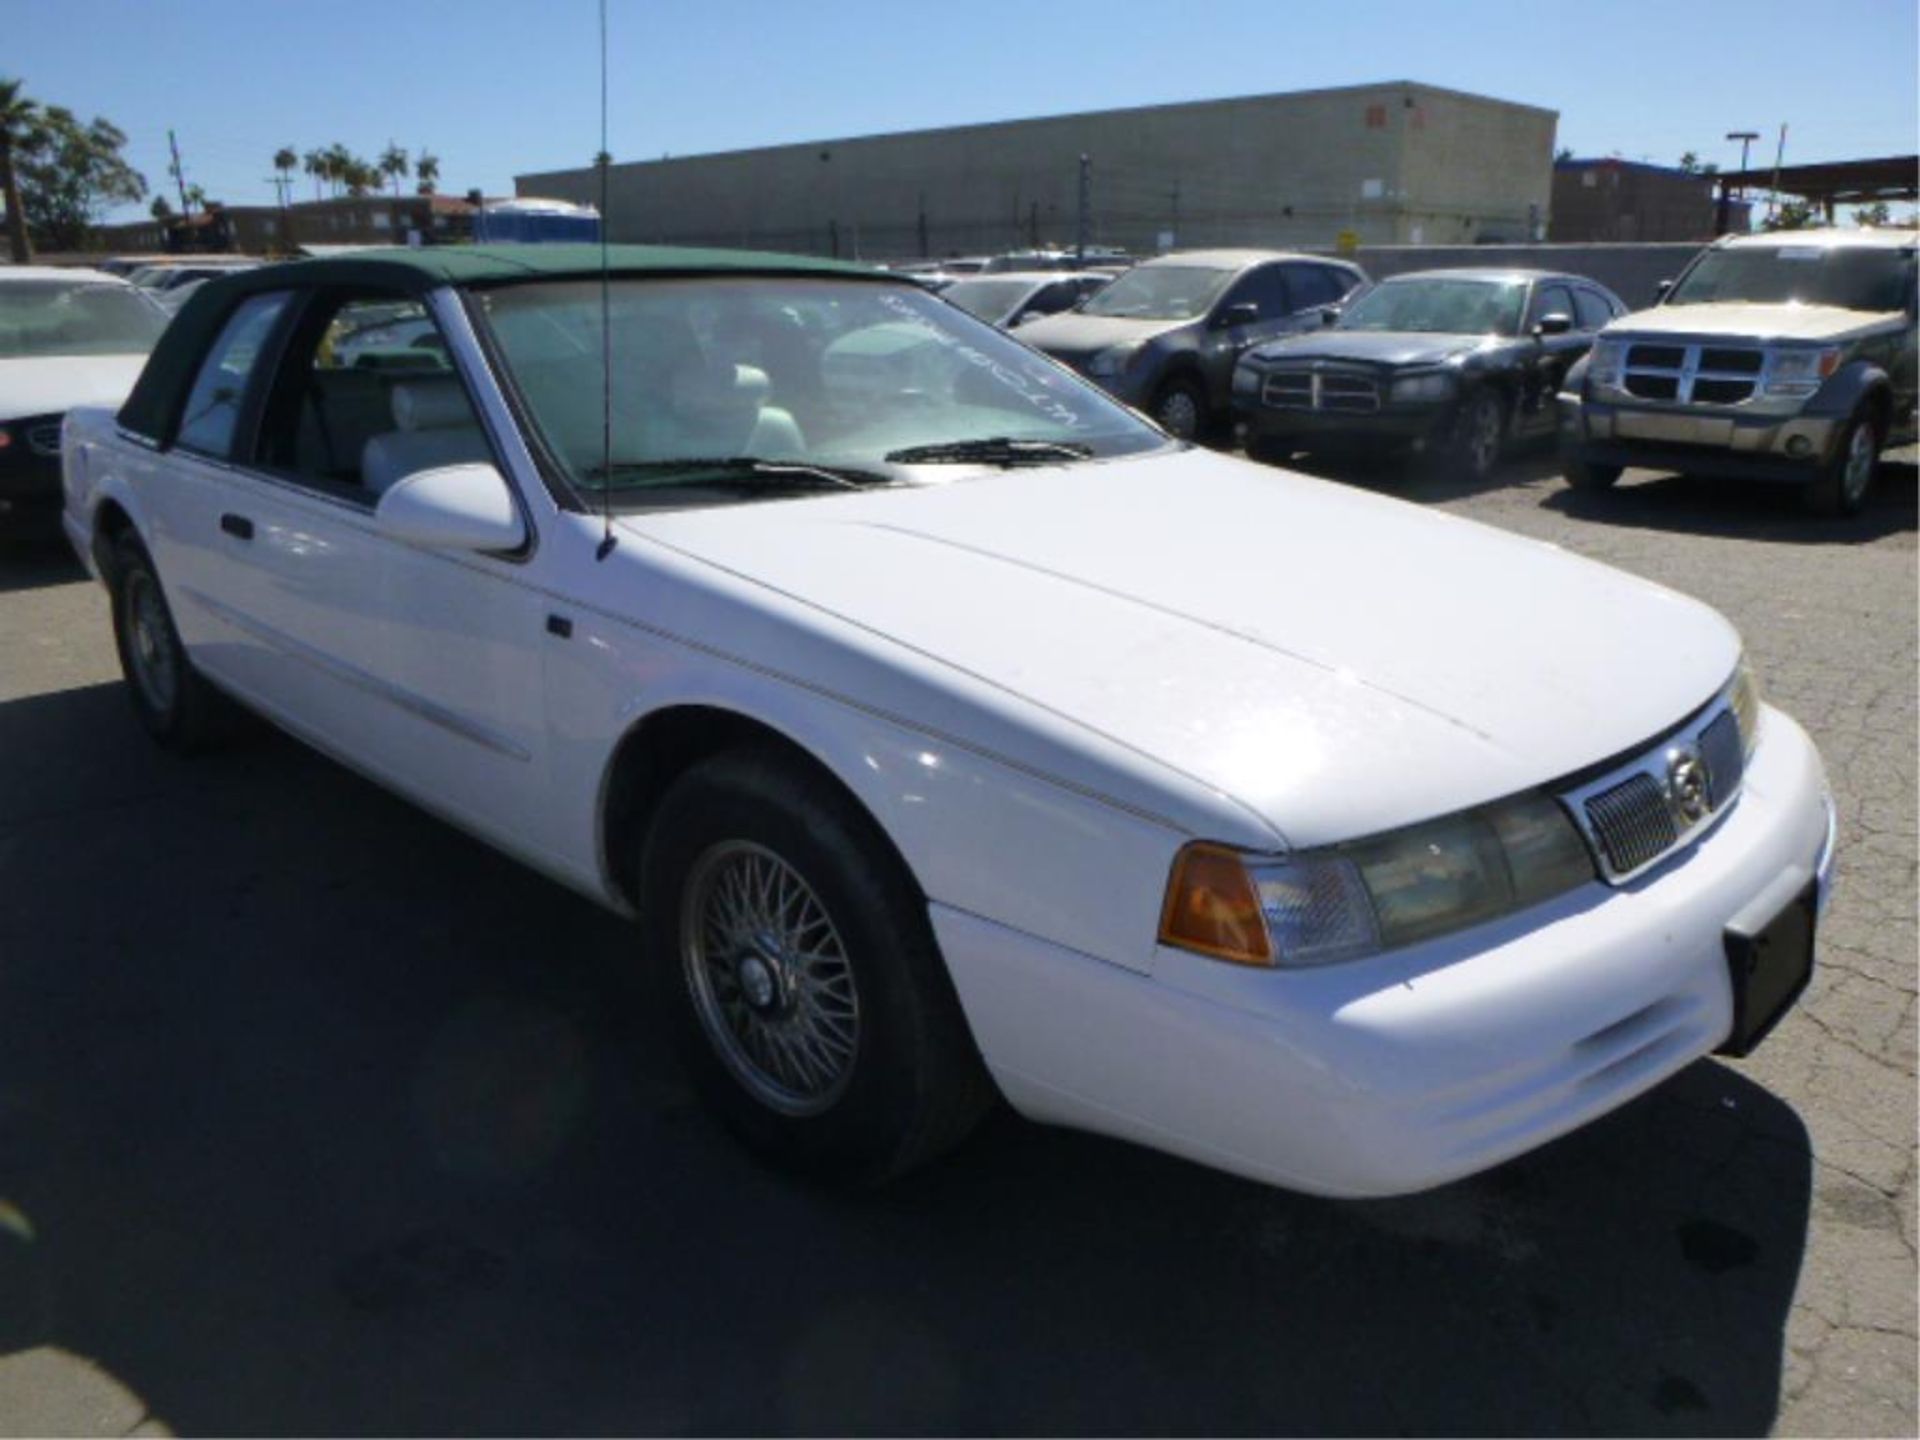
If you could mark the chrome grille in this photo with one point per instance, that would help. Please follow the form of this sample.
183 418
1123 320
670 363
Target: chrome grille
1320 390
1633 823
1647 807
1693 374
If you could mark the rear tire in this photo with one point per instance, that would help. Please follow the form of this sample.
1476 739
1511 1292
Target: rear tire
1844 481
1590 479
813 1010
176 705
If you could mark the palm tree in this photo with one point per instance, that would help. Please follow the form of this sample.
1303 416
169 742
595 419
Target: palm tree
393 164
18 115
340 163
285 161
426 165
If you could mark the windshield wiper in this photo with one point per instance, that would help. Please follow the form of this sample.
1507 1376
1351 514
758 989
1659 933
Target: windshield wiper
995 450
744 471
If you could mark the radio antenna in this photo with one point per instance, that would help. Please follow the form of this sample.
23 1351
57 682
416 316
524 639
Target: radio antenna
604 160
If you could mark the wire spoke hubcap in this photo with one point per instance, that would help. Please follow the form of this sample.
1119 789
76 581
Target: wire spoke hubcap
1179 416
769 978
150 650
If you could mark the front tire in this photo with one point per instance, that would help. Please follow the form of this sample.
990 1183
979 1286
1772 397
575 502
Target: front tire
175 704
1842 485
1180 409
1479 437
814 1013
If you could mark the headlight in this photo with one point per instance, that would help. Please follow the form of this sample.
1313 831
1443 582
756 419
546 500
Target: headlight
1605 362
1423 387
1108 363
1246 380
1744 698
1317 907
1801 370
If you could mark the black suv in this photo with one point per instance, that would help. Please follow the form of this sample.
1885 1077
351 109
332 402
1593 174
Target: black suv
1164 336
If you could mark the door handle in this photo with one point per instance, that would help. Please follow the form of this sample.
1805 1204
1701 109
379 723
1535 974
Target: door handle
238 526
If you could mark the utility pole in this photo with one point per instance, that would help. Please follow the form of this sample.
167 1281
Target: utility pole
1723 215
1778 155
179 175
1086 207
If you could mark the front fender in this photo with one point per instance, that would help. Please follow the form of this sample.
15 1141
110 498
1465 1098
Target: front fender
1848 388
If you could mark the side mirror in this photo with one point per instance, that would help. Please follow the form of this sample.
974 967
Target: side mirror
1554 324
1244 313
1660 290
1329 315
452 507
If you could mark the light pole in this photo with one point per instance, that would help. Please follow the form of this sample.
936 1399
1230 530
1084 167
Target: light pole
1746 138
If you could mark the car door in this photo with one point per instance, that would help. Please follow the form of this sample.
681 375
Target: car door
1551 356
1233 329
418 665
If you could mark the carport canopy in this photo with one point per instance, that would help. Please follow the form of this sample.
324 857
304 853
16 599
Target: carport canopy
1831 183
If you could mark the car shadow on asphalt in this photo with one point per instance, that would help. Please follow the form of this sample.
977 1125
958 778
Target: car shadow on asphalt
37 559
1408 478
1731 509
317 1117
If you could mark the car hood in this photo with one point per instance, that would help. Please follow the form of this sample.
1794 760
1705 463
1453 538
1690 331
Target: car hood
1376 347
1074 336
1757 322
1337 662
50 385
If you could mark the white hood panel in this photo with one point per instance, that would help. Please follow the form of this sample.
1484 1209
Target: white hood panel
1751 322
1339 662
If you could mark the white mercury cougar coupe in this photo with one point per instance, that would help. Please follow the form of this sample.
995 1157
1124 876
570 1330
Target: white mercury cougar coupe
946 728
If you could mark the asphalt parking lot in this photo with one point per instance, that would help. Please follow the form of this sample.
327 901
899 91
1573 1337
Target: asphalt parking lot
317 1117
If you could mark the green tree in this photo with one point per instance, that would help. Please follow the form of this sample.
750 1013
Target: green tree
285 161
314 162
1793 214
196 199
160 209
426 167
69 172
19 116
1878 213
1563 154
1690 163
393 164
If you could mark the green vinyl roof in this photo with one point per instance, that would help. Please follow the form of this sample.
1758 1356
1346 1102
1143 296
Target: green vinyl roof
154 404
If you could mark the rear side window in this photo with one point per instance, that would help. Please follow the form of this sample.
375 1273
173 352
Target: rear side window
1344 282
1593 309
1310 285
1549 300
212 411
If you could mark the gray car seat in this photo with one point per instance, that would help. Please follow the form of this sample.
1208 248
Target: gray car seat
436 426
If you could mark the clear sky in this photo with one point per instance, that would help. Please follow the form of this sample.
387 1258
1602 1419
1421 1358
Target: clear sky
499 87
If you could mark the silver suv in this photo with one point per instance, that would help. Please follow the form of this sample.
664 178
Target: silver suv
1787 356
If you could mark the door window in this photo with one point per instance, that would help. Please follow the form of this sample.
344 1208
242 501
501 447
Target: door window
1310 285
212 413
1344 282
367 395
1549 300
1265 287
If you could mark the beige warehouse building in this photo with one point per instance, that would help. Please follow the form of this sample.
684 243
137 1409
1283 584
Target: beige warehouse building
1396 163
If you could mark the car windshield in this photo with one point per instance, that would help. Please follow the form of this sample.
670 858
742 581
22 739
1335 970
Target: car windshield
849 376
1450 306
1850 277
988 299
61 317
1161 292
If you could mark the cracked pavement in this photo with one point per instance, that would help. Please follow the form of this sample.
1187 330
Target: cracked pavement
316 1117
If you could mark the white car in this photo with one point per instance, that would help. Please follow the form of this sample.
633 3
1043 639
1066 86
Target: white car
968 736
67 337
1012 298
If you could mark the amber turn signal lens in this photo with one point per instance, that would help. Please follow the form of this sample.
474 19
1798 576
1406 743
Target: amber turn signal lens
1213 908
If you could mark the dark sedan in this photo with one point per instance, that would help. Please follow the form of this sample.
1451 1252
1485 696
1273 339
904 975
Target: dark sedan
1164 336
1451 365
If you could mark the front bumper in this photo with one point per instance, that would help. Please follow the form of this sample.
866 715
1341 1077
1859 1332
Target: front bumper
1405 1071
1407 426
1788 449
